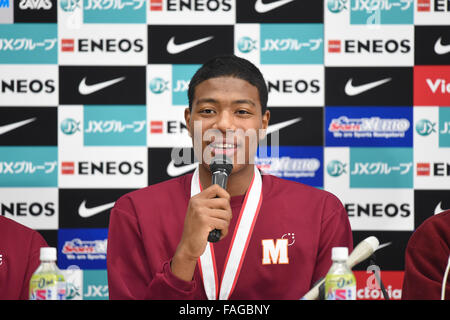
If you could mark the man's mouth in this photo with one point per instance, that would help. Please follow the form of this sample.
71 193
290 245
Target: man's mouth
223 148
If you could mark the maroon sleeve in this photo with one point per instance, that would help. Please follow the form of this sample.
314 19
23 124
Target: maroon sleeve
335 231
34 251
130 275
426 257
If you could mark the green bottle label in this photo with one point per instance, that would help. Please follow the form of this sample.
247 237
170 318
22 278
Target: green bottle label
340 287
47 286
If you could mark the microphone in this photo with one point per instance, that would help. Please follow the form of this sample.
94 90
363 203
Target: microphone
220 168
361 252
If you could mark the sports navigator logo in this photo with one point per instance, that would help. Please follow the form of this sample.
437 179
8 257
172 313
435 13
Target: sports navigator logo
368 126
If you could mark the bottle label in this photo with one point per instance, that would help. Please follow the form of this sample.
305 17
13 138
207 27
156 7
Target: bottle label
47 287
340 287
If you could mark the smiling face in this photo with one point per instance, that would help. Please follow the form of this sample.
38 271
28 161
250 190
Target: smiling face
226 118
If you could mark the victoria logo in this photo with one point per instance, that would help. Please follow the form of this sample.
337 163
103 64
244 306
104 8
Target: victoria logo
174 48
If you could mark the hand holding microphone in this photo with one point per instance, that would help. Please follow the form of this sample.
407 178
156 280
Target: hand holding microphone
220 168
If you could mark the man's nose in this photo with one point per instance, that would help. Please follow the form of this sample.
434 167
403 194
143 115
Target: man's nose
225 121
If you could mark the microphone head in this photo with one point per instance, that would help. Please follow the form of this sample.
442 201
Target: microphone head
221 163
373 242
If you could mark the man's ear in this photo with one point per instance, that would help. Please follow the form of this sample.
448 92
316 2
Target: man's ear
187 118
265 124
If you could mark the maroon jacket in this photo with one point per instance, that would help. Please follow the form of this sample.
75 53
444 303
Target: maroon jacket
146 226
19 250
426 257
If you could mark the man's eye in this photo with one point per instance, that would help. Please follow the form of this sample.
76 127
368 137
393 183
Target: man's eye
207 111
243 112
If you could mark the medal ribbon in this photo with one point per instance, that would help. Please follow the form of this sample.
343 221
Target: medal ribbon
239 243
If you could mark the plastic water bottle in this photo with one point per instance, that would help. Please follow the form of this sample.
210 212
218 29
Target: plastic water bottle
340 283
47 282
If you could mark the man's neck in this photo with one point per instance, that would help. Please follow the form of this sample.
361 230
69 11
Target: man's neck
238 182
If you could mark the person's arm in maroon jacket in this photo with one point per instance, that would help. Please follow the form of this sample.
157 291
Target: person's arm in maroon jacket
129 273
426 258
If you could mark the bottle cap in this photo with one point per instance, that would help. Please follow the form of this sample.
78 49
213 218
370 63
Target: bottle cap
339 253
48 254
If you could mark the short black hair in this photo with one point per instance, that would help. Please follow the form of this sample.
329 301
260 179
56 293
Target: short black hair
230 66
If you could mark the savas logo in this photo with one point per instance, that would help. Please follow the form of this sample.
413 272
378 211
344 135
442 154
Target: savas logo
35 4
101 168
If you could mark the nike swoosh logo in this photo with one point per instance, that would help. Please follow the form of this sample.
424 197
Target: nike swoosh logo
89 212
278 126
352 90
86 89
178 171
9 127
439 209
439 48
174 48
261 7
384 245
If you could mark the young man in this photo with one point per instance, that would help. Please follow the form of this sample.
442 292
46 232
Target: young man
19 258
276 236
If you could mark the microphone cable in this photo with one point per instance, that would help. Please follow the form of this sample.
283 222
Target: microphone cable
444 280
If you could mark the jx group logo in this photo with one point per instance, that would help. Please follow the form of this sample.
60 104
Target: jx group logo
367 12
168 84
432 85
28 166
301 164
103 125
369 126
280 43
432 128
29 43
85 248
105 11
369 168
